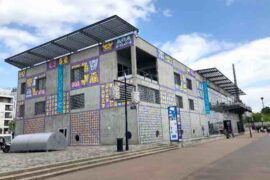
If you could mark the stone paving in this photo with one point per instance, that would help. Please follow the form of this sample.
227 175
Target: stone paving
17 161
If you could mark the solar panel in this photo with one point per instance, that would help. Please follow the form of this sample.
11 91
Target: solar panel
93 34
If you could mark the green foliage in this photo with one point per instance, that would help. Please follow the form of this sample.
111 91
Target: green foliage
266 110
11 125
257 117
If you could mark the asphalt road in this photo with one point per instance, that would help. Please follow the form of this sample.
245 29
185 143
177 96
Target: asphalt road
238 158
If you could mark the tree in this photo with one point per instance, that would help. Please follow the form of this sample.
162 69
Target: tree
11 125
257 117
266 110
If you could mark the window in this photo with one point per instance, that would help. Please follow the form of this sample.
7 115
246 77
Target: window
149 94
40 108
177 79
63 131
77 74
191 104
77 101
179 101
23 86
40 83
189 84
21 110
6 123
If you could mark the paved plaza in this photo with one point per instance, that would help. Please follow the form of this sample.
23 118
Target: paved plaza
226 159
17 161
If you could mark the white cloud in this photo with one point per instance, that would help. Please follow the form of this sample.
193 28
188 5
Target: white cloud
252 61
189 47
47 19
167 12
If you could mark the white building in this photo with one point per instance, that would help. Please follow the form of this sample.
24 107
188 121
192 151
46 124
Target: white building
7 108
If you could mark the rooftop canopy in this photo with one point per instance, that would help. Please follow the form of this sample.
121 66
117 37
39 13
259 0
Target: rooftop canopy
93 34
215 76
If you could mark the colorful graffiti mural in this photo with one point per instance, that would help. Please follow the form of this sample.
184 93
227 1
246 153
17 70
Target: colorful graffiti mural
22 74
167 97
117 44
85 125
52 104
34 125
106 96
164 57
54 63
31 90
90 73
200 89
19 110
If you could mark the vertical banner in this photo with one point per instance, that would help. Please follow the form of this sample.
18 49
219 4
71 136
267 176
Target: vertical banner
174 123
60 92
206 97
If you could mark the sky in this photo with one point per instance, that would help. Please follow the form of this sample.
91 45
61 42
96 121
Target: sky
199 33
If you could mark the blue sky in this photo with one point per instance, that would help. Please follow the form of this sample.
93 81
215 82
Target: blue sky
199 33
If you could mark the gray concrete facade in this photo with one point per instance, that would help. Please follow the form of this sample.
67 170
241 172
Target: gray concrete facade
101 119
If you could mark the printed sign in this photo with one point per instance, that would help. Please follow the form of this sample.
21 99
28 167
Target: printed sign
119 43
175 123
206 97
54 63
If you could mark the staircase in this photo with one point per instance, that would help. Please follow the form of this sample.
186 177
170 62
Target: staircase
51 170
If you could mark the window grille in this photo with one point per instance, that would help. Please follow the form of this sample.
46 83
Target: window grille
77 101
23 86
149 94
21 110
77 74
40 108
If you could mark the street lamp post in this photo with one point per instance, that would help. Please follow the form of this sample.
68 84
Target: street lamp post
262 108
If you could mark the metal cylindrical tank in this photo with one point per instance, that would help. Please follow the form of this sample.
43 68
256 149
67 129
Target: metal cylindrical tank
38 142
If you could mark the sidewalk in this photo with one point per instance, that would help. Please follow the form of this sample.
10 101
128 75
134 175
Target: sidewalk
176 164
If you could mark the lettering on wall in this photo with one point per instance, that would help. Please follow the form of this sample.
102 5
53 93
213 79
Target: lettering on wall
119 43
90 73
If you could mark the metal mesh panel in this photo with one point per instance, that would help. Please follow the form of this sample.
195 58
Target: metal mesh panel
77 101
21 110
149 94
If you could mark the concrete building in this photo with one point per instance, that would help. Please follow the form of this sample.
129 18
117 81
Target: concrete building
66 85
7 109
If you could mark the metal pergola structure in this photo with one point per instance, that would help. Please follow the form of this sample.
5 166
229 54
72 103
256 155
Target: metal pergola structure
218 78
88 36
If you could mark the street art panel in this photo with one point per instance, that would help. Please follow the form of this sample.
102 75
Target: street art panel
164 57
106 96
31 90
90 73
167 97
200 89
53 64
19 111
22 74
117 44
34 125
85 128
52 101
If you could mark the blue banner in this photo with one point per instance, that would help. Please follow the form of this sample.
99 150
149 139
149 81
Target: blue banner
174 123
60 92
206 97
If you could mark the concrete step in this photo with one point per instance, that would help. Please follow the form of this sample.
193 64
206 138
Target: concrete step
80 164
